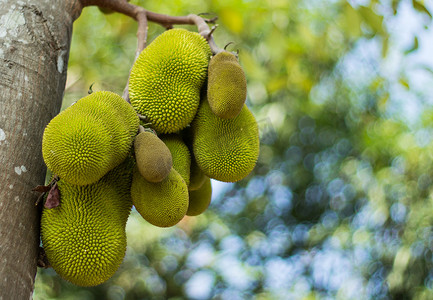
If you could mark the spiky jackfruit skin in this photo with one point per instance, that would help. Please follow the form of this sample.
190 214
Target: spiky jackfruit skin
154 160
166 78
225 149
200 199
162 204
227 85
180 154
89 138
84 237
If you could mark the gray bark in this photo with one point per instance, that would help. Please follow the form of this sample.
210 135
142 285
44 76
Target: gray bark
35 38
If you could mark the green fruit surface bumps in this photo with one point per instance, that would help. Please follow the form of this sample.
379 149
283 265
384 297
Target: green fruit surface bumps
163 203
225 149
181 156
84 237
89 138
154 160
166 79
199 200
227 85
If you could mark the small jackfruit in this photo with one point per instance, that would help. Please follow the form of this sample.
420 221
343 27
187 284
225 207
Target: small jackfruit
225 149
84 237
163 203
153 158
197 177
89 138
166 79
227 85
180 153
199 200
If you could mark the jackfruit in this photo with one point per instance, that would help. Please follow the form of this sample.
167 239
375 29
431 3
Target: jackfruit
166 79
163 203
84 237
180 153
199 200
225 149
227 85
89 138
153 158
197 177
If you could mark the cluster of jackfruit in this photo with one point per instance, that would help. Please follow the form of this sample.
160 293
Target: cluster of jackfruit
88 145
197 128
196 102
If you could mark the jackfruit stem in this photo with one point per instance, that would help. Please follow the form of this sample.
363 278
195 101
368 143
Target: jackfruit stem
206 32
146 129
42 259
143 118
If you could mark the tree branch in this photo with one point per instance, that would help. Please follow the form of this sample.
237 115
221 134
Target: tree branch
142 16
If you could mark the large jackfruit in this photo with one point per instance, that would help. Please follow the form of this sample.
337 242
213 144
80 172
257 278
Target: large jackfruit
199 199
163 203
227 85
84 237
180 153
225 149
154 160
166 79
89 138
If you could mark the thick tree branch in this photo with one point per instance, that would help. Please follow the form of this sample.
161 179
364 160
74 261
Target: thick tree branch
34 51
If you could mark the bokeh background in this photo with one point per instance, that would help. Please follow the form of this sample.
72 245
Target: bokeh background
340 205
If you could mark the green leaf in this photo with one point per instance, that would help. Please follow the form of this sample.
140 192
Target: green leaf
404 82
421 8
352 21
374 20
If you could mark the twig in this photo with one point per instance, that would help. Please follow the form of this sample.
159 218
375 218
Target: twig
204 30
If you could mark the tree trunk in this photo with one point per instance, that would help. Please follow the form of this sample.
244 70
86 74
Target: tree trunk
35 38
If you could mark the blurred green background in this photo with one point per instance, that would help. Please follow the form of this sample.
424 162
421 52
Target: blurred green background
340 203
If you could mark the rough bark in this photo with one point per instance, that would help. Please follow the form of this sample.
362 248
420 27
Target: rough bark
35 38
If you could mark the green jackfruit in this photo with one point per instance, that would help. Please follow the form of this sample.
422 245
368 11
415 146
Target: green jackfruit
197 177
163 203
225 149
84 237
89 138
199 200
180 153
227 85
166 79
153 158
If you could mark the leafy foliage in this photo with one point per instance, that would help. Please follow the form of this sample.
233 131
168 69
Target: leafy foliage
339 205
